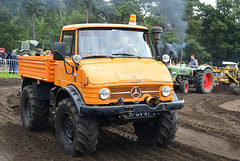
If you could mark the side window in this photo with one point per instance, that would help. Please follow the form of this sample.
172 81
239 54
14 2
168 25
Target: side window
69 39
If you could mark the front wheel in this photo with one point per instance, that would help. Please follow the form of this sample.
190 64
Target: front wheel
184 86
75 134
160 131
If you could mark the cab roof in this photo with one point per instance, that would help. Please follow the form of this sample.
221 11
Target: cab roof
100 25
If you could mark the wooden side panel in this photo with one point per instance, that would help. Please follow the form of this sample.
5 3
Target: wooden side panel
37 67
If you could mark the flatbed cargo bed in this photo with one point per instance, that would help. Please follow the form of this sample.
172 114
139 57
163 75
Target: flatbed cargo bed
37 67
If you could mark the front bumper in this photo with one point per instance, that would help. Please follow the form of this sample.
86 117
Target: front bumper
134 108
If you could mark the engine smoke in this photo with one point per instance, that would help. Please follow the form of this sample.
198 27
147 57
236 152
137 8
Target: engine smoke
173 11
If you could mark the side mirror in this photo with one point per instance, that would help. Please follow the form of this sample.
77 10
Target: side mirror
156 30
58 51
168 49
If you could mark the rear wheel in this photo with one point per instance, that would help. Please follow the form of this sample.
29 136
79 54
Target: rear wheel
204 81
75 134
184 86
160 131
34 113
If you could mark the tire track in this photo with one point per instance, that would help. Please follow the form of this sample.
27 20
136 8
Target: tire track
125 134
213 128
208 143
193 138
130 145
7 114
135 148
9 117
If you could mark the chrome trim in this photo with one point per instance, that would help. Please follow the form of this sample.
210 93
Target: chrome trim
150 91
137 91
121 93
139 81
130 92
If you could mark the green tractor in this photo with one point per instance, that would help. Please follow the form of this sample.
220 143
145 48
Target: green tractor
24 47
202 80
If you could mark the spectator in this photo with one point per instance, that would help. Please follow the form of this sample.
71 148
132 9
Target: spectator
13 63
8 60
48 53
8 56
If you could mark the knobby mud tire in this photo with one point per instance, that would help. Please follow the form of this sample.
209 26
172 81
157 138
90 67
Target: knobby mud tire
184 87
84 136
204 81
34 113
160 131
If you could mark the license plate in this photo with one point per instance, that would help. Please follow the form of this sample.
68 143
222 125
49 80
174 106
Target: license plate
139 114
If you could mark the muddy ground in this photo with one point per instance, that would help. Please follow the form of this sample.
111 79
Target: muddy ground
209 129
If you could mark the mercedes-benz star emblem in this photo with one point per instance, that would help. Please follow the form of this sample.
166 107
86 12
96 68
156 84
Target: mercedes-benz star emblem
135 92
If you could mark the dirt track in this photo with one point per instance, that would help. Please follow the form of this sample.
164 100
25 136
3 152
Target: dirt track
209 129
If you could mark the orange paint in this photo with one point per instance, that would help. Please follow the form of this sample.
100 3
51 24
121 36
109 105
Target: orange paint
119 75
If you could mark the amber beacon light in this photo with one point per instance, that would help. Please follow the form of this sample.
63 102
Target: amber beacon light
132 20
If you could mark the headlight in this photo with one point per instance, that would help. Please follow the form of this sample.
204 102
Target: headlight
104 93
76 59
165 58
166 91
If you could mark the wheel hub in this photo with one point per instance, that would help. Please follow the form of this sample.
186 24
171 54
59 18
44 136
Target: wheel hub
207 81
68 128
28 110
186 88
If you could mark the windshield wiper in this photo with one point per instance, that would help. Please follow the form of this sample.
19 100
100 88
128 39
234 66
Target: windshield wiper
97 56
124 54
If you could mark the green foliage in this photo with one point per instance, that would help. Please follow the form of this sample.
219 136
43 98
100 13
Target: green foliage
222 28
170 37
194 44
75 18
194 48
34 6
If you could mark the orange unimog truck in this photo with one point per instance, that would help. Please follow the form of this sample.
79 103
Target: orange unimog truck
100 74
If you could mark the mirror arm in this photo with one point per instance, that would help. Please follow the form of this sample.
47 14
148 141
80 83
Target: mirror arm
66 67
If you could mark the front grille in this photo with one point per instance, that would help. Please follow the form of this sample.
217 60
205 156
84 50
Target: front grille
124 92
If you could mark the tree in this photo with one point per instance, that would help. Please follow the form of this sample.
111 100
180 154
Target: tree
194 44
32 8
171 37
5 21
222 30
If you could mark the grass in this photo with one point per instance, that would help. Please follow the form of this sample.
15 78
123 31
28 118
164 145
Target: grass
7 75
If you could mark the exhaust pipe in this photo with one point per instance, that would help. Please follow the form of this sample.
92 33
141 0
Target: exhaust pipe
151 101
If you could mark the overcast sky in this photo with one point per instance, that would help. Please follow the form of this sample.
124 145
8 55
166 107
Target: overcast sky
212 2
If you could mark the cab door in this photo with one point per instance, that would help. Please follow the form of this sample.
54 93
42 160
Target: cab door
63 72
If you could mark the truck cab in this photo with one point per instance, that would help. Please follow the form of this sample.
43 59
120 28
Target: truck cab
100 74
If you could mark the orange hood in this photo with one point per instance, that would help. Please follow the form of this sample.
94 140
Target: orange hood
125 70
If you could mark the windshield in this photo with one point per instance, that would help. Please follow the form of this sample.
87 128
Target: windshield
113 43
